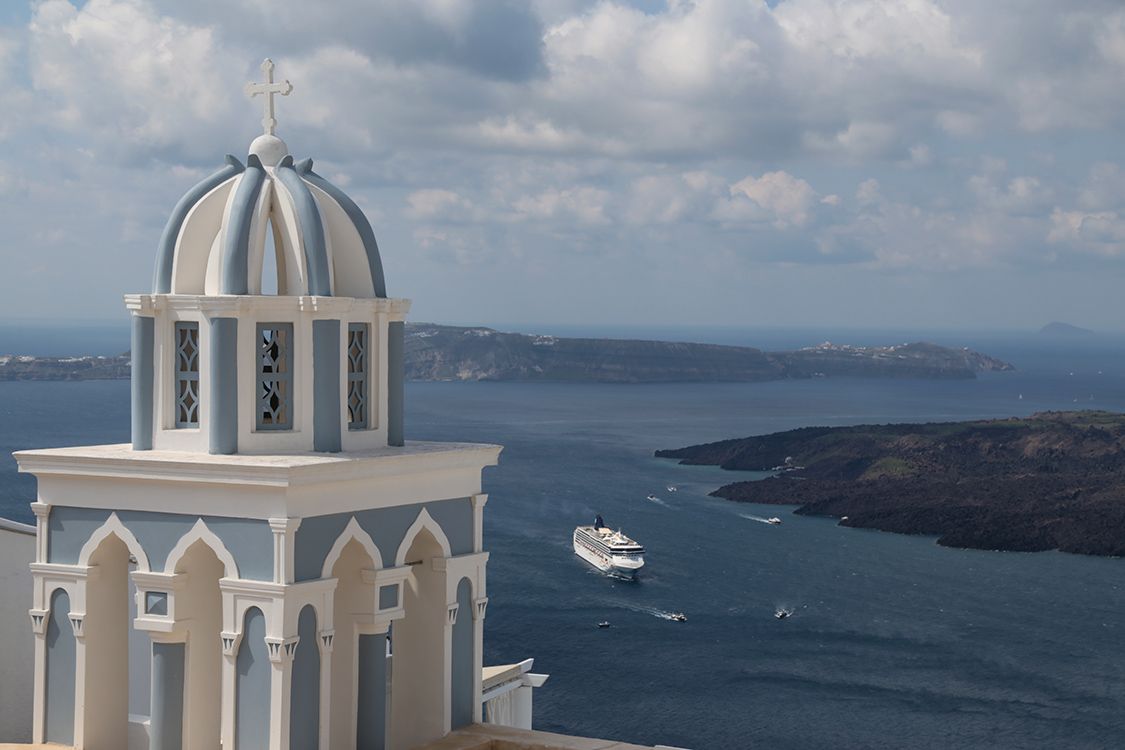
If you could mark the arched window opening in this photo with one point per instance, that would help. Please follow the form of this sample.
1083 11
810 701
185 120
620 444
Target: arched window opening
272 261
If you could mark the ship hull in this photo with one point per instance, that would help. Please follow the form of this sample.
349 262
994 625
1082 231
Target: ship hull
623 566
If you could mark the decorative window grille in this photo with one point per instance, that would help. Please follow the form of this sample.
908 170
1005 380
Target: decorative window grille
275 376
357 376
187 375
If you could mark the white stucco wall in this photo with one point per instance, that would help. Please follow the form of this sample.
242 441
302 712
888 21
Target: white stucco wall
17 643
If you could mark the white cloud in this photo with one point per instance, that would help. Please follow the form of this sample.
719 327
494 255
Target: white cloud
435 203
703 139
786 199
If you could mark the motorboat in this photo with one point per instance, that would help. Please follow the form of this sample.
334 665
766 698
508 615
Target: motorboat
774 521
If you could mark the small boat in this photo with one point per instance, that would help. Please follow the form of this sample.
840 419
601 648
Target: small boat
672 487
651 496
678 617
603 624
781 614
774 521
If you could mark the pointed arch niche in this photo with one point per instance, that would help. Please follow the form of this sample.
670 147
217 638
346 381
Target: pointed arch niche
201 532
421 674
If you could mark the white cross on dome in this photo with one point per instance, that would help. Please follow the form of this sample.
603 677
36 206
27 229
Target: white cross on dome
268 89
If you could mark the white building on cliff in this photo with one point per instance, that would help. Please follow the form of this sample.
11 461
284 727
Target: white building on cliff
269 564
274 523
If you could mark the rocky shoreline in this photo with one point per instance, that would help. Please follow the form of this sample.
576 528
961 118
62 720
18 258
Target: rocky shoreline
1054 480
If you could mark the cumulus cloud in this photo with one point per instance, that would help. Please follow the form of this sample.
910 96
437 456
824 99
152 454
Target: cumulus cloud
715 137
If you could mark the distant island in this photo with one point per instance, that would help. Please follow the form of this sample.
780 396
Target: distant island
1054 480
1059 330
437 352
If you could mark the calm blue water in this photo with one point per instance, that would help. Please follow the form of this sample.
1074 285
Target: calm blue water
895 642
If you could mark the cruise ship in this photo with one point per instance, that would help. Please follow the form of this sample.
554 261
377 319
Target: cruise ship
608 550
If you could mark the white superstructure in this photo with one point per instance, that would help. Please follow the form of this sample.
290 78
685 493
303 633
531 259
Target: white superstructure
608 550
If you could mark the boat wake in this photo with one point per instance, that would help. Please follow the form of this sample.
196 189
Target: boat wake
662 614
658 501
759 519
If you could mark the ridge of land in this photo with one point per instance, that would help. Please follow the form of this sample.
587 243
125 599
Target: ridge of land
437 352
1054 480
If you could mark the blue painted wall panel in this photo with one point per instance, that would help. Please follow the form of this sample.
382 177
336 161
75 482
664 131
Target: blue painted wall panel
61 660
461 683
252 691
388 596
304 711
141 382
371 722
249 541
223 405
327 406
387 527
396 333
166 724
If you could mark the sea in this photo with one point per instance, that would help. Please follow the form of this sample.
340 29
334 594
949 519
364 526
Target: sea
894 642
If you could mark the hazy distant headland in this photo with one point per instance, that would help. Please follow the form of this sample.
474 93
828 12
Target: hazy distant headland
1054 480
437 352
1059 330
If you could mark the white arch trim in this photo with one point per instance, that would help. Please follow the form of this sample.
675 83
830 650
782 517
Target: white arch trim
200 532
423 521
352 531
114 526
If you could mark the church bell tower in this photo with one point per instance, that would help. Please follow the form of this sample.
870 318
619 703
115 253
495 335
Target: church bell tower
269 564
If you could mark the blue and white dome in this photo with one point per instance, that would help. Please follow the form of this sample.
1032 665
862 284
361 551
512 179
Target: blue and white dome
215 240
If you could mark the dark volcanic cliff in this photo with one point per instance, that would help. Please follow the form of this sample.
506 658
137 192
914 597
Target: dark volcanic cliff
1051 481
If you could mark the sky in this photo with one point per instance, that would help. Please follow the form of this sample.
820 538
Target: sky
940 164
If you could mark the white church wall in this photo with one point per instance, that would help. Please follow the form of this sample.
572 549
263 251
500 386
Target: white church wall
17 642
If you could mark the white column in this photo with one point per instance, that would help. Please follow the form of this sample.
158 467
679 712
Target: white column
281 652
284 530
39 614
42 514
324 643
39 700
479 606
478 521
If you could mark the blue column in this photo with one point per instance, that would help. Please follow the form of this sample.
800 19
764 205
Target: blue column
326 386
62 659
166 719
223 411
396 333
141 380
304 694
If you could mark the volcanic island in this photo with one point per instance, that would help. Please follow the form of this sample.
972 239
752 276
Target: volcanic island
1054 480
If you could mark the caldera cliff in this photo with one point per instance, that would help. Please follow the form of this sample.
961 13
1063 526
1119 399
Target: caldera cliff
1054 480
